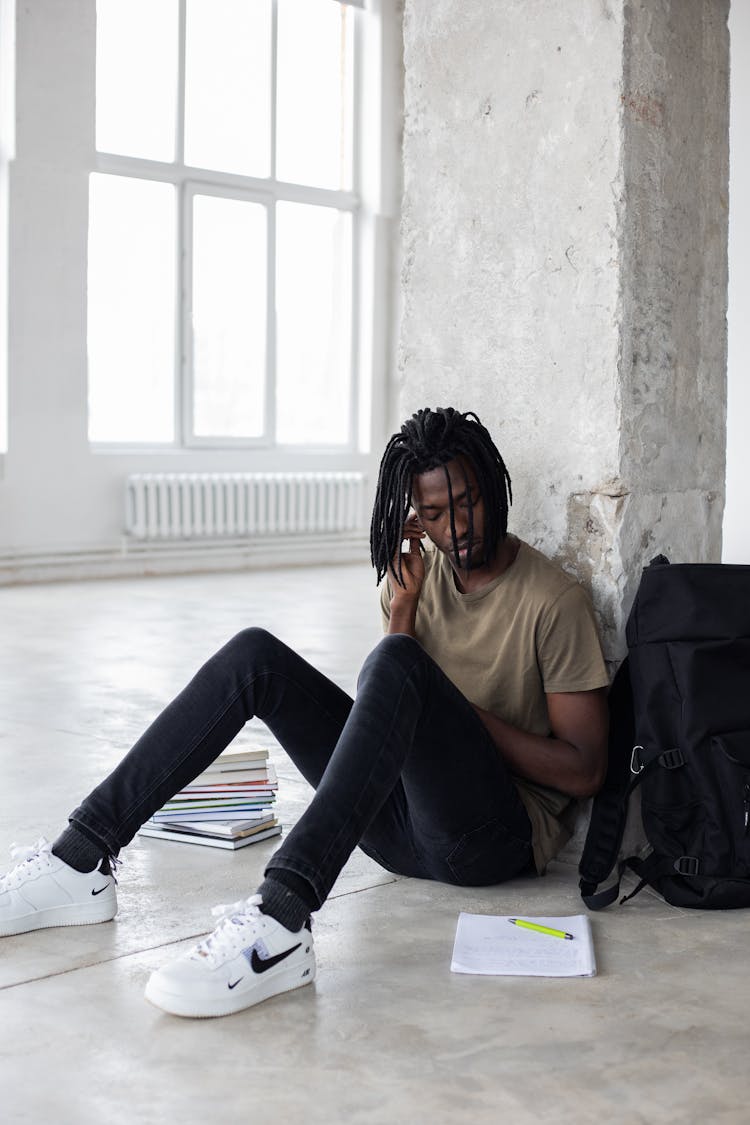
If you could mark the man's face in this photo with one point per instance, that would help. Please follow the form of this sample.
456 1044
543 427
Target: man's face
431 500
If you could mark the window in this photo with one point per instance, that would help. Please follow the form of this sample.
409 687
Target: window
224 223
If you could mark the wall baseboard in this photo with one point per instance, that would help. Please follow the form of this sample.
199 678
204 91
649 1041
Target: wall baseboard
131 558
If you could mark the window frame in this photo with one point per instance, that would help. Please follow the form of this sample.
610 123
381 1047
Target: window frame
187 181
186 409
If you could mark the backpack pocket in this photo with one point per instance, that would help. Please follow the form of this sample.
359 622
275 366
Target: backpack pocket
731 756
673 815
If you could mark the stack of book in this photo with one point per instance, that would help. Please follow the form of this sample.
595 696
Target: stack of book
230 805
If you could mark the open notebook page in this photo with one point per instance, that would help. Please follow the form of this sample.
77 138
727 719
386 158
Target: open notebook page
492 945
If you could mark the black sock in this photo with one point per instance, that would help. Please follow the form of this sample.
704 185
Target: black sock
288 898
78 850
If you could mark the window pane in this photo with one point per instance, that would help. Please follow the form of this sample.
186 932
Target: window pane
131 314
136 77
229 316
228 85
313 309
314 93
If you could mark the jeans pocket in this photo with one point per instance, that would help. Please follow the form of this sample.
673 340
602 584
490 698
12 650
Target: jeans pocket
488 854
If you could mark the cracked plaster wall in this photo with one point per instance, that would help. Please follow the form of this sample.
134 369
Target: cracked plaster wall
564 265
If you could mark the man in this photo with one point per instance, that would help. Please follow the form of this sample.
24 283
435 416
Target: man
478 721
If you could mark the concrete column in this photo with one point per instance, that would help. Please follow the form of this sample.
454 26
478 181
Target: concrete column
564 240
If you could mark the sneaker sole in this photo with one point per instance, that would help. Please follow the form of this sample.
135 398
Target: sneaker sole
178 1003
56 916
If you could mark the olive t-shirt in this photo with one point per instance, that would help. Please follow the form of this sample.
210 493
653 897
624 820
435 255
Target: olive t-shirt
528 632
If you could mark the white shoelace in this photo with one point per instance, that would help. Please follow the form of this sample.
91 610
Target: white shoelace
29 859
231 932
35 859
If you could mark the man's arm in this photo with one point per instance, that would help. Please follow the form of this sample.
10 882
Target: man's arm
574 759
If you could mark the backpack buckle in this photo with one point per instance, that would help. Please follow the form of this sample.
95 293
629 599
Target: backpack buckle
671 759
636 764
687 865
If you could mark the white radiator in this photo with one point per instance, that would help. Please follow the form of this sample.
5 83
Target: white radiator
206 505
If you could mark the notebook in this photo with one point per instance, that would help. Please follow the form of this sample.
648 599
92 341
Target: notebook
495 945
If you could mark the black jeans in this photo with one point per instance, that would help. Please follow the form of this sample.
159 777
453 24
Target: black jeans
407 771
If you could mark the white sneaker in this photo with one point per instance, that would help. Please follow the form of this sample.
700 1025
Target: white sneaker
42 890
249 957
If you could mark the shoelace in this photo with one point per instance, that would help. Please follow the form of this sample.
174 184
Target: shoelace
114 865
37 855
231 931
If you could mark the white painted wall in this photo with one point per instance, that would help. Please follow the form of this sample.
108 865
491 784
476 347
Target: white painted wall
59 499
737 512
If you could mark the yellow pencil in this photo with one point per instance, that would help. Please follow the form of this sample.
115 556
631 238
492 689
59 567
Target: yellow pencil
540 929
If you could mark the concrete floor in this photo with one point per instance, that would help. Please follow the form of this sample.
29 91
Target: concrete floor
386 1034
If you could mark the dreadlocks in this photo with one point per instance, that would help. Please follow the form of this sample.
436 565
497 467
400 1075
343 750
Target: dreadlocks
428 440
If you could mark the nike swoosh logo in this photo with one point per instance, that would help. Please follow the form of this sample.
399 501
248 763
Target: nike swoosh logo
259 965
100 889
235 983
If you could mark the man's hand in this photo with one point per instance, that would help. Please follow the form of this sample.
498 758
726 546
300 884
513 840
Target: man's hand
408 587
412 563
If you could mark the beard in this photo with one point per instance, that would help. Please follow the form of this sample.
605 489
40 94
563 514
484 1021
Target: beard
469 559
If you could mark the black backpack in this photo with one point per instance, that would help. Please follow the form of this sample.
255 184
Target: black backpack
680 734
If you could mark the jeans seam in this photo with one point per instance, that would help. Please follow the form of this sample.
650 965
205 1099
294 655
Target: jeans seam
408 832
355 809
107 841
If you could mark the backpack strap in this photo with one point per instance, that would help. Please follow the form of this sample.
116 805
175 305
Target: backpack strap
597 900
626 766
609 808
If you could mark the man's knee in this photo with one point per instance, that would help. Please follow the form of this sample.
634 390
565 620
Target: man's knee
395 647
399 645
253 642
